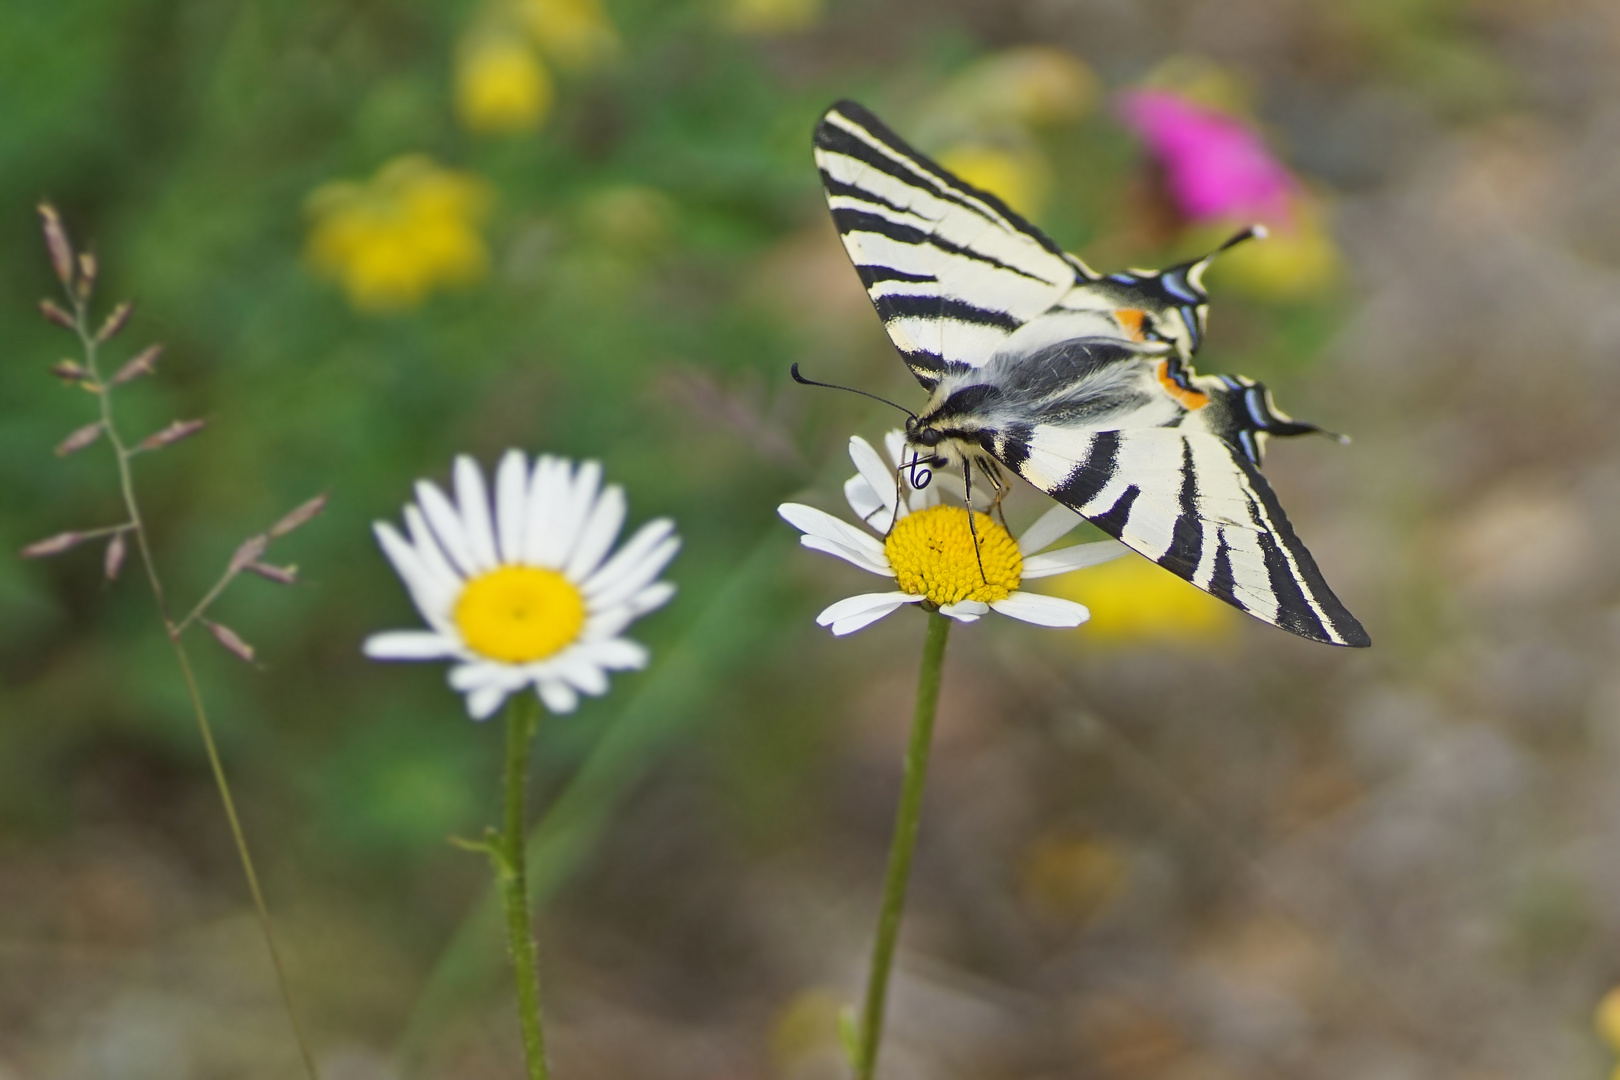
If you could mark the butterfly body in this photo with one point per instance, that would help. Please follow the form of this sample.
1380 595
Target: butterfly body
1080 384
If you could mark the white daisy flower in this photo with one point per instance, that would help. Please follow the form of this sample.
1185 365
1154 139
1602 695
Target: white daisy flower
927 549
528 595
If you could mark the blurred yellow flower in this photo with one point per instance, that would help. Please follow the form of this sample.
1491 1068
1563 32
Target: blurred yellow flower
1034 85
1202 81
412 228
1134 600
1607 1019
1019 174
1298 259
502 88
768 17
575 33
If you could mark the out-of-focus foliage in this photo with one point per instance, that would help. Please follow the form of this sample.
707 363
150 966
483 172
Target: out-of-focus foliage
1174 843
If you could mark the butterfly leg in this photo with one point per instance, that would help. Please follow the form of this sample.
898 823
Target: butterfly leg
967 494
920 476
1000 487
899 499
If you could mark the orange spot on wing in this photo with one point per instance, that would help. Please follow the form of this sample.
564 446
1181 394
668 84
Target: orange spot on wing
1131 320
1190 399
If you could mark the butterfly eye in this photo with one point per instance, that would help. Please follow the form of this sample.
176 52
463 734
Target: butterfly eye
928 436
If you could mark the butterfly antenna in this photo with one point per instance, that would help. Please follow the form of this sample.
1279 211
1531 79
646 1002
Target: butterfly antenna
834 386
1253 232
1196 267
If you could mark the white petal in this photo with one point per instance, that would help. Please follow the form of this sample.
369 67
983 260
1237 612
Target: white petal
943 485
511 504
879 478
615 654
848 626
859 622
894 441
557 696
1043 610
483 702
472 498
548 492
1077 557
399 552
965 610
607 623
813 522
855 605
447 527
410 645
477 673
651 598
446 577
577 508
849 555
579 672
596 539
636 577
431 597
865 502
1047 528
866 603
627 560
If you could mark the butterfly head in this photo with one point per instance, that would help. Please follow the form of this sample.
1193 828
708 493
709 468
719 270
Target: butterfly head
922 434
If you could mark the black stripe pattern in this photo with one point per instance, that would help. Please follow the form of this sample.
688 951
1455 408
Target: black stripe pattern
1195 505
952 270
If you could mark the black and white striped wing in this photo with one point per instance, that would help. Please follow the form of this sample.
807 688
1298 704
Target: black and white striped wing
951 269
1195 505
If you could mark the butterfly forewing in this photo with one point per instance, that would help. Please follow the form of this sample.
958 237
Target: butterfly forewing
951 269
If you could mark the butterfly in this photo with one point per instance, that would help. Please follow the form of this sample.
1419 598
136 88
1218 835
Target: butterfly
1080 383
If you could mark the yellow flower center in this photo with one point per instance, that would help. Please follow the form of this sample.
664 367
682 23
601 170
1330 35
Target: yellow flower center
516 614
932 554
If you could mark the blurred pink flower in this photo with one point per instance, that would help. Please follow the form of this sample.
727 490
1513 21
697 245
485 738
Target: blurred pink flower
1215 165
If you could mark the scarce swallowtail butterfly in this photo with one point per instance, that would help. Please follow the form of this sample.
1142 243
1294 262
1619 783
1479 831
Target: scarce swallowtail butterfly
1078 382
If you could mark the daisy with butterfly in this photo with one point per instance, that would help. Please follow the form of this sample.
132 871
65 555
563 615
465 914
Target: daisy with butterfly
1079 383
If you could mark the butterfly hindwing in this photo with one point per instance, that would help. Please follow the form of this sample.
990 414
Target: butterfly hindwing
1194 504
952 270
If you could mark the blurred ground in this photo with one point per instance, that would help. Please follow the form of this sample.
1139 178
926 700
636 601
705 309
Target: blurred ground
1198 857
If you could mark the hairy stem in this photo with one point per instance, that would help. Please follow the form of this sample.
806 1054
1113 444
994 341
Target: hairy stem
137 526
522 716
904 843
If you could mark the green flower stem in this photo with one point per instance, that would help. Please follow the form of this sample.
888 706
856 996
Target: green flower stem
522 717
905 842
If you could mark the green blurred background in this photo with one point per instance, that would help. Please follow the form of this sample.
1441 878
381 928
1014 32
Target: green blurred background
1174 843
